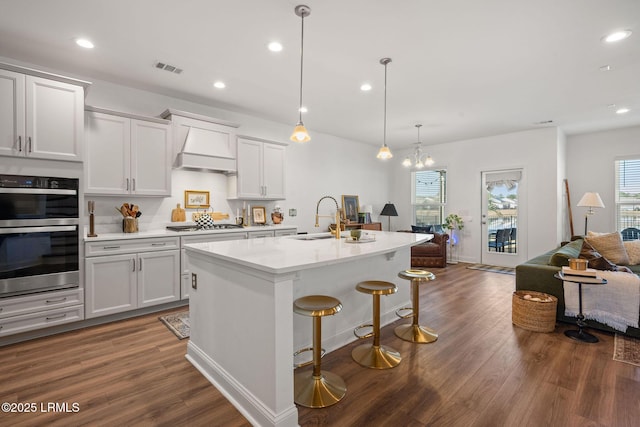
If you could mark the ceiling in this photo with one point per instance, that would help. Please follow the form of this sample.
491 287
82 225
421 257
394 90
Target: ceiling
462 68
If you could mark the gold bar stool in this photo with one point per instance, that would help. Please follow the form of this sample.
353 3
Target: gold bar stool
414 332
321 388
375 356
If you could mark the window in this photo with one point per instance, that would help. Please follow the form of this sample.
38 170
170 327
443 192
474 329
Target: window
429 196
627 194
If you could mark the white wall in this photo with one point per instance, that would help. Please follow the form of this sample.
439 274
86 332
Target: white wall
590 167
535 151
327 165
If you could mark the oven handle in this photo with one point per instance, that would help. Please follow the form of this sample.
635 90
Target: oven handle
4 190
13 230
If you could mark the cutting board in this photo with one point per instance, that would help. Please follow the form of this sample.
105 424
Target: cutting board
216 216
178 214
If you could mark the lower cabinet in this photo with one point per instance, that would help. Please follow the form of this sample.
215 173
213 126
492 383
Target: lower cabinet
117 283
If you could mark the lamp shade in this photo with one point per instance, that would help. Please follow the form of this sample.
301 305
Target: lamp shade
591 200
389 210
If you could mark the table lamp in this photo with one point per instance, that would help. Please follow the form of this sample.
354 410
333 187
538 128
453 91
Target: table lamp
389 210
590 200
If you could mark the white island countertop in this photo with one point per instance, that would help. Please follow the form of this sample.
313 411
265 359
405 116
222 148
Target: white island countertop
285 254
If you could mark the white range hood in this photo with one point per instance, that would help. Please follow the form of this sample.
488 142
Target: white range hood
202 142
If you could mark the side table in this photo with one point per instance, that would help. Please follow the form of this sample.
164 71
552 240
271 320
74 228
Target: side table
580 334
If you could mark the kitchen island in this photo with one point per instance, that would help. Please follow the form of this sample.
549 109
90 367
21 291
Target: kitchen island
243 329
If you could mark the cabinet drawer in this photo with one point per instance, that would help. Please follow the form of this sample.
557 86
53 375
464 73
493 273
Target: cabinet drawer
260 234
114 247
46 301
43 319
286 232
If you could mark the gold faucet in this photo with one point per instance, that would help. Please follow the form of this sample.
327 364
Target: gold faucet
337 219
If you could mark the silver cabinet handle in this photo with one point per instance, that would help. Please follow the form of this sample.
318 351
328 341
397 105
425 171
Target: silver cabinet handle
30 145
51 301
127 184
61 316
159 244
140 268
134 264
133 186
20 143
111 247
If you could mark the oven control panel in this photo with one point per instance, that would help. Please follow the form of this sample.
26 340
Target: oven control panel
24 181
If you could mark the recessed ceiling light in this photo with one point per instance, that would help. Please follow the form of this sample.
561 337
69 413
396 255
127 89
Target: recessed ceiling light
605 68
617 36
275 47
365 87
622 110
219 85
85 43
303 109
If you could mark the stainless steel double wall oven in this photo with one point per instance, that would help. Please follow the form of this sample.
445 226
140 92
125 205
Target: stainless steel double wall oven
39 234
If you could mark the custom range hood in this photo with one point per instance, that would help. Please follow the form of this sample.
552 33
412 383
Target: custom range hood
202 142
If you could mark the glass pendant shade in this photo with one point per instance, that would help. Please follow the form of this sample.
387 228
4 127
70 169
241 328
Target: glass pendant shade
300 134
384 153
419 162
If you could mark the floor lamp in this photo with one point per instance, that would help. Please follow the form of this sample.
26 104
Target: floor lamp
590 200
389 210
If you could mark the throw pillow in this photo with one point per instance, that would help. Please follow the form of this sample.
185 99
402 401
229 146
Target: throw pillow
633 250
611 247
422 229
596 260
561 256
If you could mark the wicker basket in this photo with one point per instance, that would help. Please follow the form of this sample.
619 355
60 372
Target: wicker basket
536 316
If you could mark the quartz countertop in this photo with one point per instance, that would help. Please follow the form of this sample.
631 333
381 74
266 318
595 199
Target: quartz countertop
161 232
285 254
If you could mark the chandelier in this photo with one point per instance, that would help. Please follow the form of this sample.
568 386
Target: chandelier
418 161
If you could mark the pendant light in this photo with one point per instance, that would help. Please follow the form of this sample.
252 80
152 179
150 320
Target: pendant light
417 155
300 133
384 152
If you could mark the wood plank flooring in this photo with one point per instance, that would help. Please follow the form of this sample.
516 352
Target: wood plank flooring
482 371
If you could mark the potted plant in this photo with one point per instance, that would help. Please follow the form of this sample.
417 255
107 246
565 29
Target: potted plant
453 222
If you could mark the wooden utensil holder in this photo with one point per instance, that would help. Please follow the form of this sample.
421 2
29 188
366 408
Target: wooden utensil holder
130 225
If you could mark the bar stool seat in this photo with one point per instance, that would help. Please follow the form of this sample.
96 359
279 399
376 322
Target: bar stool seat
374 355
320 388
414 332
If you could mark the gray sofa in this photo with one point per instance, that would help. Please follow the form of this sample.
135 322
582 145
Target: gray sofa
537 275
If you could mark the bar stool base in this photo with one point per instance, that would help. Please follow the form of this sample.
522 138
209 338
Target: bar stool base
318 392
416 333
379 357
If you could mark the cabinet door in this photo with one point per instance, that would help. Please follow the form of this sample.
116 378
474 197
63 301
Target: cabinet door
54 119
158 277
274 171
150 159
250 171
11 113
108 155
110 284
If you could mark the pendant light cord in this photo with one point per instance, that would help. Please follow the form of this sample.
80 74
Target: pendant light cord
384 138
301 66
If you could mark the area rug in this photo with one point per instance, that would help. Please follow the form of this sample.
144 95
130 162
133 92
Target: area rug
178 323
626 349
493 268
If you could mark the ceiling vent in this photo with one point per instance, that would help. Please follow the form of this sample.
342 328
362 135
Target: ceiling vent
167 67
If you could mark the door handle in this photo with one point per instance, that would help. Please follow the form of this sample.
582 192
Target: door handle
127 184
20 143
134 264
30 145
133 184
140 267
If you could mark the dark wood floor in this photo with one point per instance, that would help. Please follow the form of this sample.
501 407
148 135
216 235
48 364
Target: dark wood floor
482 371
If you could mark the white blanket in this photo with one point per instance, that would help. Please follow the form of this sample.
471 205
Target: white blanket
616 304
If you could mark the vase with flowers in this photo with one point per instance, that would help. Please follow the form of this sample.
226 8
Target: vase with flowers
453 222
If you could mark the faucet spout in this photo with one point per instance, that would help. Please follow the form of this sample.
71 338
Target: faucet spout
337 219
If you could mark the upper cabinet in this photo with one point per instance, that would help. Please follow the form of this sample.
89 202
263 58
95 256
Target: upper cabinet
201 142
40 118
261 169
127 154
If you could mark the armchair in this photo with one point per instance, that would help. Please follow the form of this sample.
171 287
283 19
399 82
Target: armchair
432 253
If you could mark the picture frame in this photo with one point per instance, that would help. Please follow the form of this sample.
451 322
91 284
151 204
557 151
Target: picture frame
259 214
195 199
350 207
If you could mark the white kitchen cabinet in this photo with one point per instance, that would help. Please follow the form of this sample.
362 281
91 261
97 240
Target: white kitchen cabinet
286 232
40 118
261 169
127 154
147 275
260 234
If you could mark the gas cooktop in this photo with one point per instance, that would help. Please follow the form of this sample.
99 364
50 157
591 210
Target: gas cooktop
197 228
